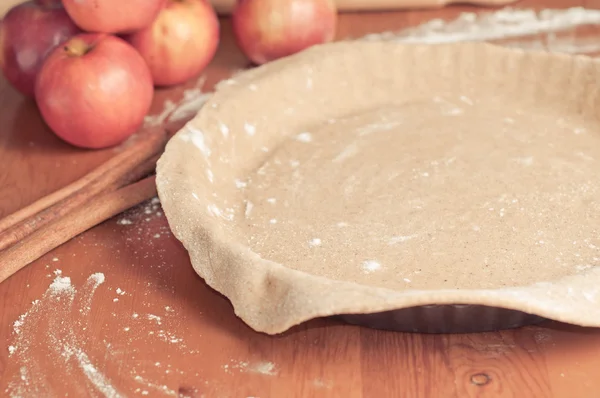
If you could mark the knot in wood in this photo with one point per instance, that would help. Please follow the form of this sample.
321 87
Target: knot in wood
480 379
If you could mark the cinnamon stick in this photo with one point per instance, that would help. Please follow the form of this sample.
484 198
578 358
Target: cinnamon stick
135 161
79 220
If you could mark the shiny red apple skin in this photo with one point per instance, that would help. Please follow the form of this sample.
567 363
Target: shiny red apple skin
94 99
28 32
180 43
113 16
266 30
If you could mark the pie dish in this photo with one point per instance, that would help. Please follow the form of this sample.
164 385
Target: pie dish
418 187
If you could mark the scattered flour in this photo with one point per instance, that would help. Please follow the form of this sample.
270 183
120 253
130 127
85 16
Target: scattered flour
250 129
264 368
401 238
370 266
314 242
60 345
304 137
550 29
145 213
188 106
319 383
63 316
155 318
65 347
159 388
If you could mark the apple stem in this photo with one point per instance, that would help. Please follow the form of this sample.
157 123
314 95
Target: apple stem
77 48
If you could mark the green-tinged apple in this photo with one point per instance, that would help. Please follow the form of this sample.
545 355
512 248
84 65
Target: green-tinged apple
28 32
113 16
266 30
94 91
181 41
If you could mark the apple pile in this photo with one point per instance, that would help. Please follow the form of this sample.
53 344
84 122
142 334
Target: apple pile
92 65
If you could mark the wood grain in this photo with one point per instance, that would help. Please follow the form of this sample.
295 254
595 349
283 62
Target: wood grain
136 160
53 234
215 352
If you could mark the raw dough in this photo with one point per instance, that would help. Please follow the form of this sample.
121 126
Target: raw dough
363 177
419 196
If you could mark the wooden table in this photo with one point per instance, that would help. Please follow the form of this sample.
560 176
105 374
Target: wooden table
154 328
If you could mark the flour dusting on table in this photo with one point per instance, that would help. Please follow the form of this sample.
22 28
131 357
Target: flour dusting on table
61 344
550 29
263 368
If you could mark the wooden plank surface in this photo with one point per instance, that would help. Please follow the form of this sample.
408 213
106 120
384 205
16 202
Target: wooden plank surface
133 319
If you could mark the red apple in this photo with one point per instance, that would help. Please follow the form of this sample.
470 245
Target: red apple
113 16
269 29
94 91
28 32
180 43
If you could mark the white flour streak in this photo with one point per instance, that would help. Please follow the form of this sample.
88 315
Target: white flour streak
193 99
502 24
224 130
93 375
163 389
91 284
525 161
155 318
376 128
314 242
250 129
43 340
249 207
240 184
399 239
349 151
304 137
264 368
370 266
197 138
191 104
